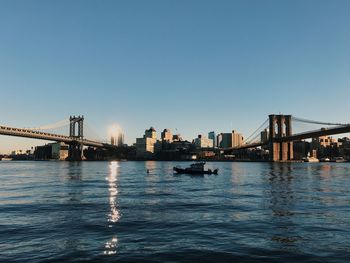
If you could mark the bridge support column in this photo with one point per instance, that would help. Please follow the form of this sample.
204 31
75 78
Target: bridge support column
280 126
75 150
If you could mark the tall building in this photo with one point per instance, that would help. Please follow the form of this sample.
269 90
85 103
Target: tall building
212 136
203 142
145 145
120 141
166 135
150 133
264 135
237 139
228 140
219 140
113 140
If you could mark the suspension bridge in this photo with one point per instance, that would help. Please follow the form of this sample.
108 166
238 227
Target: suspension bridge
75 139
278 139
279 135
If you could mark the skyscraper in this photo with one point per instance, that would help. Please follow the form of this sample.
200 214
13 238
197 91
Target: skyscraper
120 141
166 135
113 140
212 136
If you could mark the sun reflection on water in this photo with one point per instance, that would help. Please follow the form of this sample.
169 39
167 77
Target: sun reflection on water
112 179
111 247
114 214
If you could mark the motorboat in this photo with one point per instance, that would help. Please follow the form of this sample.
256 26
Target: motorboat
195 168
6 159
311 160
338 160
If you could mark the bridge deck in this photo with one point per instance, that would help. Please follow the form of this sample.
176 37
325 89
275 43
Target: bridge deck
299 136
18 132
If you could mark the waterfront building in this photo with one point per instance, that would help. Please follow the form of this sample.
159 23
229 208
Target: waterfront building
324 141
56 151
151 133
237 139
326 146
212 136
145 145
18 152
345 147
203 142
59 150
166 135
264 135
177 137
228 140
301 149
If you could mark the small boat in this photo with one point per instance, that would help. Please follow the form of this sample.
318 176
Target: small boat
6 159
338 160
195 168
311 160
324 159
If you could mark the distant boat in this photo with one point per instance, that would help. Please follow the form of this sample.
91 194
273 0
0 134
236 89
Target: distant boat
338 160
195 168
324 160
6 159
311 160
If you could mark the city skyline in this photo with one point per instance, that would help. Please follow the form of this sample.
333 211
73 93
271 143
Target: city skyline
193 67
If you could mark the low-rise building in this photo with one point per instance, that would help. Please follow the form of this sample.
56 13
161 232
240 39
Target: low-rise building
56 151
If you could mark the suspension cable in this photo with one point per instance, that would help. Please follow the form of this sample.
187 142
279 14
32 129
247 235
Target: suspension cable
258 129
56 125
317 122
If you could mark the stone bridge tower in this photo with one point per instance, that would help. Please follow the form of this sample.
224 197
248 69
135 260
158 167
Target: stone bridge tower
280 126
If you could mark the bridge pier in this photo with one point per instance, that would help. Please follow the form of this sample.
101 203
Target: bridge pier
280 126
75 152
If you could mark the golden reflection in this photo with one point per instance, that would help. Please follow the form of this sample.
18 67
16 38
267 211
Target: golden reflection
114 214
111 247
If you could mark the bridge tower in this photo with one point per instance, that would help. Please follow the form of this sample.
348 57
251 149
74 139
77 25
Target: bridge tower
280 126
75 151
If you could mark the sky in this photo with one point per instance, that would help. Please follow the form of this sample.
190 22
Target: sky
191 66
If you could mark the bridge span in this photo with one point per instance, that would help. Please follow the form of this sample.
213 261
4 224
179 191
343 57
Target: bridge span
75 140
18 132
281 138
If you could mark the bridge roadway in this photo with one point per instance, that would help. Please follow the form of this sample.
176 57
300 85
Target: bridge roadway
4 130
299 136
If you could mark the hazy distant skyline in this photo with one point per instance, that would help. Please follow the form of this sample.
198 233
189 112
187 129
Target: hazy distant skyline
194 66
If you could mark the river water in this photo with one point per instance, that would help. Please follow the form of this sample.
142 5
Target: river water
115 211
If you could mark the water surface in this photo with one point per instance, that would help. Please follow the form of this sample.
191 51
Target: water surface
115 211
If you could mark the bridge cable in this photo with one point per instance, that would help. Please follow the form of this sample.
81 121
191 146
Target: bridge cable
317 122
53 126
258 129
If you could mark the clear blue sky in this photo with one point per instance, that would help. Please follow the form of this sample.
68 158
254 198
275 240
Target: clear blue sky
192 65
